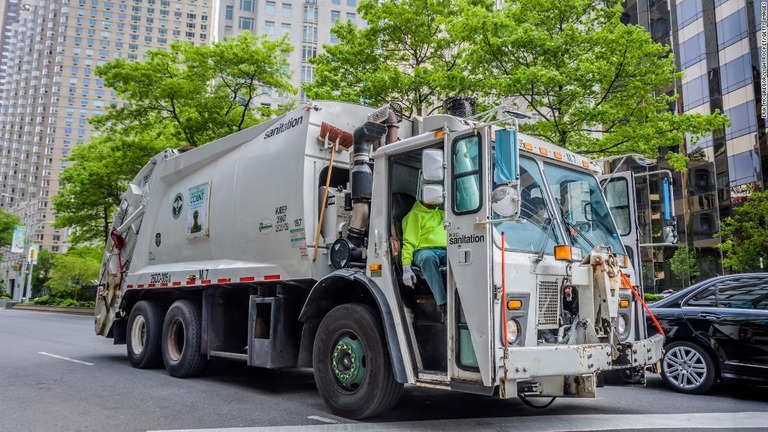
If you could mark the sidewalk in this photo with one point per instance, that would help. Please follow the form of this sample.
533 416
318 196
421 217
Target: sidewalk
56 309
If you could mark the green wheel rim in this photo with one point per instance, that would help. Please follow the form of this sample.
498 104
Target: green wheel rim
349 362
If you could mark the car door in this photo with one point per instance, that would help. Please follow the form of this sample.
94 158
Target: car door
731 317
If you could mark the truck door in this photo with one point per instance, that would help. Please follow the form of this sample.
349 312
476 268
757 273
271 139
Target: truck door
469 282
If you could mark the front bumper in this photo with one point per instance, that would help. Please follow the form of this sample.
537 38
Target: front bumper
570 360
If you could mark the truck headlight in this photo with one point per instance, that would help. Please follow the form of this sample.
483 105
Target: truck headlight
513 331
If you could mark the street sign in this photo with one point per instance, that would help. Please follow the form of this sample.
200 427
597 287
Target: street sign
34 251
19 237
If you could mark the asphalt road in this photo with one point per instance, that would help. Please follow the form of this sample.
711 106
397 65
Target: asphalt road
56 375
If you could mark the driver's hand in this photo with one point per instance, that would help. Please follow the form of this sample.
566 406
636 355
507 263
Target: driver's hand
409 278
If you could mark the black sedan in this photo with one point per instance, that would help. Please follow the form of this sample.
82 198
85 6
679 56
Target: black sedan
716 330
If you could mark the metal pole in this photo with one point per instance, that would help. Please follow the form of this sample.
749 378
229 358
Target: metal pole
29 281
23 291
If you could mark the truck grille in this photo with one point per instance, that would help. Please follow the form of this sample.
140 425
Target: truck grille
549 304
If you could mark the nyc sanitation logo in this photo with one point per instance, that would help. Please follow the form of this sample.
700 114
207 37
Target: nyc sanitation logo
178 204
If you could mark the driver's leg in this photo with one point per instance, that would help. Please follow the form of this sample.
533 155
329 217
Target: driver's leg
429 260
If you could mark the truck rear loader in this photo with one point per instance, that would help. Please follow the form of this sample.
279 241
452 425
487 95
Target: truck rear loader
279 245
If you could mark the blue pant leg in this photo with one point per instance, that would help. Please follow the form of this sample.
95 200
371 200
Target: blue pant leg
430 260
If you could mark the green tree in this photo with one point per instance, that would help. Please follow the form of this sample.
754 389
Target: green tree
745 235
78 266
597 85
183 97
404 55
195 94
42 271
683 264
92 186
7 222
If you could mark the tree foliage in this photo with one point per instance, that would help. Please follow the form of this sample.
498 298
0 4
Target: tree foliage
745 235
7 222
78 266
184 97
404 55
597 85
196 93
42 270
683 264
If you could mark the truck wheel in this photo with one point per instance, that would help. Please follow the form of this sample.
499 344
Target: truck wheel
181 340
687 368
353 371
145 324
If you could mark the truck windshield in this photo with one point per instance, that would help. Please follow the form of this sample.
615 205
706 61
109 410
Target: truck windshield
582 208
533 230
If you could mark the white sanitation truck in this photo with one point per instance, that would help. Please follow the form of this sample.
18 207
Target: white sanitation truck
278 246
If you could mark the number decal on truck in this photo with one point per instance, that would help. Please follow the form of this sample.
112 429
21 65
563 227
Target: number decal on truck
160 278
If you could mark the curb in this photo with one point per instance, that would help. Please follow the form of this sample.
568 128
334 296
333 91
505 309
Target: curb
56 309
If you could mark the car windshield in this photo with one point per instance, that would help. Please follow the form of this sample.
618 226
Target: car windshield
582 209
533 230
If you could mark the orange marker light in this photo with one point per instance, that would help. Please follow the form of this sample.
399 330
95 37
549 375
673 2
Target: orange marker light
514 304
585 163
375 267
543 151
528 146
439 133
563 252
558 155
623 304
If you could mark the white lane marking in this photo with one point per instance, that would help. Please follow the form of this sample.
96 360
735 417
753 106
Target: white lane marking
323 419
578 422
65 358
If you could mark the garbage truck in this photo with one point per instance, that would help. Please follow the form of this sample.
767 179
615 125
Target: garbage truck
279 246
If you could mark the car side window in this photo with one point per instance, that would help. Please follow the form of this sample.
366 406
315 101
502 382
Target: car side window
705 298
743 294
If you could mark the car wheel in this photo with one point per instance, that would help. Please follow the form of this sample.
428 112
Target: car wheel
181 340
687 368
144 329
353 370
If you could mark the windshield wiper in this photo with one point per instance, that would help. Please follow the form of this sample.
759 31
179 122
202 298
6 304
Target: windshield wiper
574 228
543 248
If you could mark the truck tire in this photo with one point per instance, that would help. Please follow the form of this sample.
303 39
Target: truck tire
353 371
145 324
181 340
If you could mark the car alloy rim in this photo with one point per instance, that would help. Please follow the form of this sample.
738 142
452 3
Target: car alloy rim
685 367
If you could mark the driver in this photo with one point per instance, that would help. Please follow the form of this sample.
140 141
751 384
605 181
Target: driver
536 210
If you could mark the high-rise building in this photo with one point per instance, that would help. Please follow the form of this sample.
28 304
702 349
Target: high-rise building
717 46
307 23
49 89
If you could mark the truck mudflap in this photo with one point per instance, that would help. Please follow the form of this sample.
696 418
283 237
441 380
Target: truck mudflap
570 360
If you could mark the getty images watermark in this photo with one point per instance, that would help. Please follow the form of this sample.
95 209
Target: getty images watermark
764 58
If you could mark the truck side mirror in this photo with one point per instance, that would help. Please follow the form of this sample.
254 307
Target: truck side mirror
432 165
432 194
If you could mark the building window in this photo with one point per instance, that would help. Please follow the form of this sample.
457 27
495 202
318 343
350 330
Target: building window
271 8
308 52
743 120
350 17
285 29
352 3
732 28
336 2
687 12
692 51
736 73
307 74
269 28
310 14
309 34
695 92
286 10
246 5
744 167
335 16
246 24
229 12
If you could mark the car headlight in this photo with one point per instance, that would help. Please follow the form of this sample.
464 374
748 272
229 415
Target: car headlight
513 331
